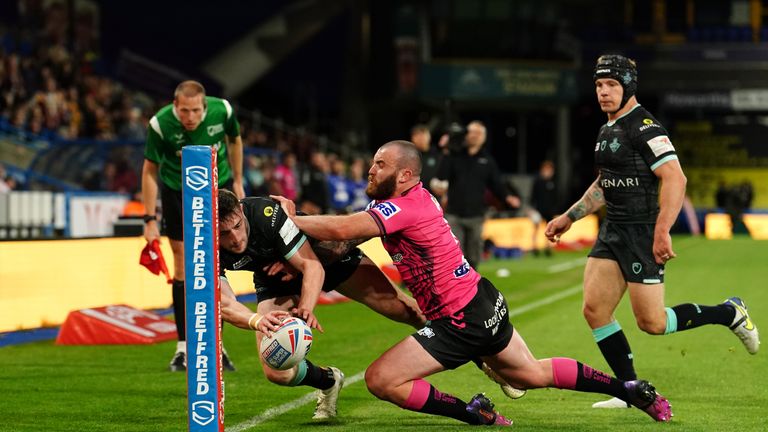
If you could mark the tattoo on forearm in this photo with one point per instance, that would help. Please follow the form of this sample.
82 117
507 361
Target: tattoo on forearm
592 200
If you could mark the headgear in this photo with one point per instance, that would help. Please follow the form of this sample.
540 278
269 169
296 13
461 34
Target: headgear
620 68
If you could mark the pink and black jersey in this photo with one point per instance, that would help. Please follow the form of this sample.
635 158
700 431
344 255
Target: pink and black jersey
425 251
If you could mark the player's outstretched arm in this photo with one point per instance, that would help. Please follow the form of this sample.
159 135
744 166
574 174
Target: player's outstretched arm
239 315
357 226
592 201
305 261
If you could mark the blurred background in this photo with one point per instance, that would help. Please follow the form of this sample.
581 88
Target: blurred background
80 78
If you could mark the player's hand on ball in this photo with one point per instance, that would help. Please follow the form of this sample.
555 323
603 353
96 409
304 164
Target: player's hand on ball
309 317
271 321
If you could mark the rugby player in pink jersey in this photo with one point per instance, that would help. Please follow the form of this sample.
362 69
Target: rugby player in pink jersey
468 316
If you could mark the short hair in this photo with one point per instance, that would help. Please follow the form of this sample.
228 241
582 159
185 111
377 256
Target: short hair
189 88
419 128
479 124
228 204
409 157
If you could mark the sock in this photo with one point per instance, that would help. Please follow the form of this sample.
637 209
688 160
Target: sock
177 292
314 376
426 399
572 375
613 344
181 346
690 315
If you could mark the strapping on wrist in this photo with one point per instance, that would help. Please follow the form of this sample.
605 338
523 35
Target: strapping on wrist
254 325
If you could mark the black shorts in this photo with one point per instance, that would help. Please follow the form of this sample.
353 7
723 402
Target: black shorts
481 328
172 222
631 245
335 275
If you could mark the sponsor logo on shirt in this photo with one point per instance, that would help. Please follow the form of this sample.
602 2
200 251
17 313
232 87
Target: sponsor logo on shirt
462 270
647 124
214 129
619 182
387 209
660 145
614 145
242 262
288 231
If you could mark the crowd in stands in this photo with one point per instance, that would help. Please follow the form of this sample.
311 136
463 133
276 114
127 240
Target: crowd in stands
327 184
52 87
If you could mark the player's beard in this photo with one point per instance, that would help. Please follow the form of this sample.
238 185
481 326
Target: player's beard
382 190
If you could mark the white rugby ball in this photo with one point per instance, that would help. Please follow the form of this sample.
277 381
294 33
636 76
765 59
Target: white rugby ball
288 345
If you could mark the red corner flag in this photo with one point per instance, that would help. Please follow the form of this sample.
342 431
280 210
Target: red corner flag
152 259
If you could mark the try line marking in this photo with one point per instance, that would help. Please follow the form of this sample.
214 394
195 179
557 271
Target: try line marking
309 397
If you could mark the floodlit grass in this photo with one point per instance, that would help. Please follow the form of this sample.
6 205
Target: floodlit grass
706 373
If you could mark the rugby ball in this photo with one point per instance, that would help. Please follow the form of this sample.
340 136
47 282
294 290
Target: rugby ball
288 345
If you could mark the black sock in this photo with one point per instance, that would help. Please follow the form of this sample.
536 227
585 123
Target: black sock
177 292
595 381
446 405
317 377
618 354
691 315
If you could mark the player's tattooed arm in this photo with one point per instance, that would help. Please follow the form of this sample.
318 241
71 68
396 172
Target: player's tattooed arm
330 251
592 200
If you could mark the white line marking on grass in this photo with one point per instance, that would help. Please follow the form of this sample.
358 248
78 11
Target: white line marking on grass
557 268
545 301
284 408
309 397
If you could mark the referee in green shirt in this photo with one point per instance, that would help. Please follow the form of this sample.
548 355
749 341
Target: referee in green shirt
192 119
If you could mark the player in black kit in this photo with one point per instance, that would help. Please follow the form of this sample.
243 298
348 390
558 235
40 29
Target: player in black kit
254 234
634 155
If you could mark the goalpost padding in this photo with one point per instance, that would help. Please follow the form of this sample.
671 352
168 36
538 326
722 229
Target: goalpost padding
205 385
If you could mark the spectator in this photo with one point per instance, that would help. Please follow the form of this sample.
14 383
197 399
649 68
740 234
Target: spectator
125 179
337 185
4 186
430 157
357 183
543 202
468 172
285 176
314 188
134 128
253 174
722 195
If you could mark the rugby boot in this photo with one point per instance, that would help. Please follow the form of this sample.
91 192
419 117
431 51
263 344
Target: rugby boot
482 407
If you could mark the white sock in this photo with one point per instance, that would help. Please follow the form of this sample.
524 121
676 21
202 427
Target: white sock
181 346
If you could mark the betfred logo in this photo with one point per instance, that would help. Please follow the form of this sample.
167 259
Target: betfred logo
202 412
197 177
275 354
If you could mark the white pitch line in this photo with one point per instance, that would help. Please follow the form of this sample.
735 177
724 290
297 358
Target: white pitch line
309 397
557 268
284 408
545 301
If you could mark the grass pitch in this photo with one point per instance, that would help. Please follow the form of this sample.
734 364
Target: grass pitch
710 379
